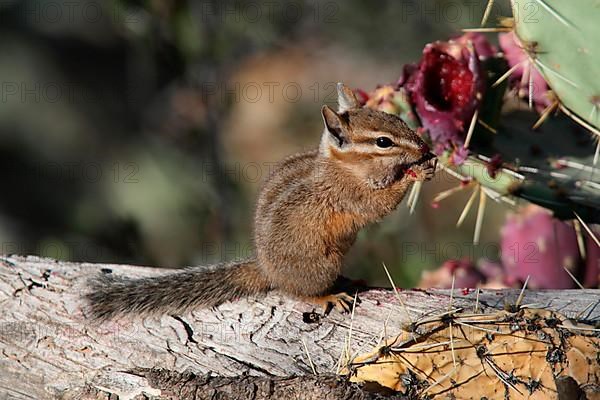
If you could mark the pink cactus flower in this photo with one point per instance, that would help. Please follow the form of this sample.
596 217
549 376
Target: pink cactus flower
536 245
515 55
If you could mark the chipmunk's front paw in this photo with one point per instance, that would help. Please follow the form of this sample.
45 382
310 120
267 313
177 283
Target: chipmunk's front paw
424 172
342 302
429 170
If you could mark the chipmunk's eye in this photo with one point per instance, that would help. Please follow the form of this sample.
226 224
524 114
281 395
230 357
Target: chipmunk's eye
384 142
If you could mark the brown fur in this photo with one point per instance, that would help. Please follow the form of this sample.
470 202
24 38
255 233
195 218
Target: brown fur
307 217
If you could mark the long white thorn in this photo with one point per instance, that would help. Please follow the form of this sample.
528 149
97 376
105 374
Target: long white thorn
471 129
487 126
573 278
468 206
530 85
486 13
480 214
580 121
588 230
522 294
555 14
452 173
508 73
487 30
349 348
447 193
396 292
452 344
417 188
595 162
310 361
545 114
557 74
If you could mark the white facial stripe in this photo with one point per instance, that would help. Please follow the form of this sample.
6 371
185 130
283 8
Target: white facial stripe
375 135
407 144
369 148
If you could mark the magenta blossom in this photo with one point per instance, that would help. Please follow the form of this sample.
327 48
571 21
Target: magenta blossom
534 245
515 55
537 245
446 88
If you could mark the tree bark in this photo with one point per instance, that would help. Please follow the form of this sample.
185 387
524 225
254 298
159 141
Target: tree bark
253 348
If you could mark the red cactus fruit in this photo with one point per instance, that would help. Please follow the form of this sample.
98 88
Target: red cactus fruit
446 88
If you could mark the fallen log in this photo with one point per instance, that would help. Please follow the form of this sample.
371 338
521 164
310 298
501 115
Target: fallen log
252 348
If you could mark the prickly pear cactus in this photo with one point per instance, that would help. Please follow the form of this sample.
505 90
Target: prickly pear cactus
462 93
551 166
561 39
527 354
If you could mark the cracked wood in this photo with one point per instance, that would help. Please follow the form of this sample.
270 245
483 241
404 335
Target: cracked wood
48 348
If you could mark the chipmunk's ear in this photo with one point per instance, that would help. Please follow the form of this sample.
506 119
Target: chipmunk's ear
346 98
334 126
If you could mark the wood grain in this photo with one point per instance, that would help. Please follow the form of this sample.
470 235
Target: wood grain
49 349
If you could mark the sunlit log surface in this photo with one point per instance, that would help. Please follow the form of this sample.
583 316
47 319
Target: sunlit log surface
49 349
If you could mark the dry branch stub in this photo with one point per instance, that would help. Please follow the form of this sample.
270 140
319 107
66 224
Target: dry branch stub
48 348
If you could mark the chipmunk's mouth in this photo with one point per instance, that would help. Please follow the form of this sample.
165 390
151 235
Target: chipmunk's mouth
407 169
425 158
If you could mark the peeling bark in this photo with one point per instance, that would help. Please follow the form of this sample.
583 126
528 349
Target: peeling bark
49 349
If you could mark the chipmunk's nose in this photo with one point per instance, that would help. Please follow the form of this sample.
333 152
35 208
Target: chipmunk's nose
426 153
429 156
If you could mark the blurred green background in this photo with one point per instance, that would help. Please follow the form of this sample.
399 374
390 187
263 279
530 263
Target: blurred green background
139 131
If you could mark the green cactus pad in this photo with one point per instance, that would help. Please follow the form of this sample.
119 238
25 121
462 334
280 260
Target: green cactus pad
561 38
551 167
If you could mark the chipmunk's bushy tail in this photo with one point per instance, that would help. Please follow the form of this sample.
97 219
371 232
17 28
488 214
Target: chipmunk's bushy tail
175 292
